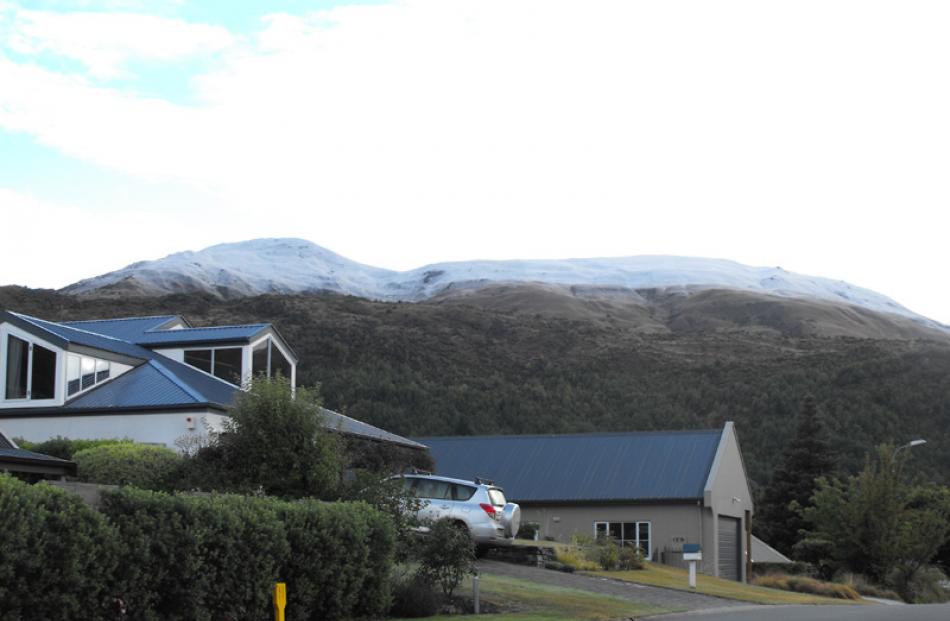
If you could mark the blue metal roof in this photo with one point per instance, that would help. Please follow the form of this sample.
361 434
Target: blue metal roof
148 385
646 466
353 427
86 338
229 334
19 453
125 328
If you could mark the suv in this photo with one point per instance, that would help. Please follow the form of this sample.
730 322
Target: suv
477 505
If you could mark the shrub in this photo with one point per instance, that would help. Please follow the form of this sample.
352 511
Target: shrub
446 555
865 587
218 556
608 554
631 557
65 448
413 597
127 463
803 584
577 554
529 530
57 555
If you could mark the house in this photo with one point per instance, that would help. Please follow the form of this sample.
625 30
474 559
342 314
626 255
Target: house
655 490
152 379
31 465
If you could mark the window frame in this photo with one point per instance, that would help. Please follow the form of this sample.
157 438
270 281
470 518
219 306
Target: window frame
28 392
635 540
184 353
96 372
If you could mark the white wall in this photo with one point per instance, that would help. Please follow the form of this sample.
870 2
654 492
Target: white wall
154 428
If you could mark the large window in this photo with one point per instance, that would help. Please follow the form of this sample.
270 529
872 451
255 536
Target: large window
83 372
268 359
627 534
31 370
224 363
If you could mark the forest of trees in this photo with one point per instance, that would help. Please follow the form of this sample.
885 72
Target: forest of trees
430 368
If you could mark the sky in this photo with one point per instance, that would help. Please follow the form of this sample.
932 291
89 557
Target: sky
811 135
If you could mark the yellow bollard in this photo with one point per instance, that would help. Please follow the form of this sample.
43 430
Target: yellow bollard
280 600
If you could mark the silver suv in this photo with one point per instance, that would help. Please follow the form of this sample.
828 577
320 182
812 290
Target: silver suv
478 505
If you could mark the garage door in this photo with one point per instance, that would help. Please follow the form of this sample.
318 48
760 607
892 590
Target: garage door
730 547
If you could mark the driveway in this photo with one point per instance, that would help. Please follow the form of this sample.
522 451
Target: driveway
930 612
635 592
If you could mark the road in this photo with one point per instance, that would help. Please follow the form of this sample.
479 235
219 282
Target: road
932 612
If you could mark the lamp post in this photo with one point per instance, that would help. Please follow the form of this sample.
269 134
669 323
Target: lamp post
910 444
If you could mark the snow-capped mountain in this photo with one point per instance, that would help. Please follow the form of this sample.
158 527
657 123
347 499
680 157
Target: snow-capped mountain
297 266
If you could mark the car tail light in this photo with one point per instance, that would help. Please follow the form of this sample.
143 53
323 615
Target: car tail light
490 510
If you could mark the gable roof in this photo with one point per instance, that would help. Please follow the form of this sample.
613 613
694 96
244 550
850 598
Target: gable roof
351 426
606 467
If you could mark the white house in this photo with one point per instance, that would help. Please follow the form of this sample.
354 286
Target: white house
151 379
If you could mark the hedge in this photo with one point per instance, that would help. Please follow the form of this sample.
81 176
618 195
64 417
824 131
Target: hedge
188 557
65 448
217 557
57 555
126 463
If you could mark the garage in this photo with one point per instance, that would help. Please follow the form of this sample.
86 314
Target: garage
730 548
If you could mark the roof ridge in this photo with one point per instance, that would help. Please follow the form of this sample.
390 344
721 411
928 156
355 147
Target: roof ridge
592 434
33 320
170 376
239 325
120 319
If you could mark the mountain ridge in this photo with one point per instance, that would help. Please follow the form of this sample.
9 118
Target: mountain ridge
291 266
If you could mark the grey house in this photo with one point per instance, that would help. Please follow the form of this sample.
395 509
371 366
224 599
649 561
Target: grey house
656 490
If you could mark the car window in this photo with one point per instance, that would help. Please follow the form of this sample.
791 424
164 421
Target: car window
427 488
408 484
462 492
497 497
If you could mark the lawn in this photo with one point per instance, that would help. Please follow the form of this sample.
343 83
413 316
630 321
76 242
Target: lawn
673 578
530 601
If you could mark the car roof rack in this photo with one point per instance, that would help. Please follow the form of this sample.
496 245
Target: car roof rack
484 481
417 471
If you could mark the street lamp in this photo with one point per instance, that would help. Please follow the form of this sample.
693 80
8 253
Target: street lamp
910 444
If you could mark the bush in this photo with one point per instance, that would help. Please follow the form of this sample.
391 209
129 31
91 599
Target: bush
529 530
64 448
57 555
577 554
802 584
217 556
865 587
126 463
446 555
926 585
413 597
608 554
631 557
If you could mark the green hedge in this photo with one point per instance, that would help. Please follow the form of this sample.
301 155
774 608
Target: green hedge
126 463
210 557
57 555
65 448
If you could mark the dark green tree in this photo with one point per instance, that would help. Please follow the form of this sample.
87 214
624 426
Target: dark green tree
276 441
806 458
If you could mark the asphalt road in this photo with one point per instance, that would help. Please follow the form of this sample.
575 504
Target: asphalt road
934 612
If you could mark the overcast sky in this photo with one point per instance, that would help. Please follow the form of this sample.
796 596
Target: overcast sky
810 135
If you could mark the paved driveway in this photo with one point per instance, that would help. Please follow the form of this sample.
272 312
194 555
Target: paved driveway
935 612
668 598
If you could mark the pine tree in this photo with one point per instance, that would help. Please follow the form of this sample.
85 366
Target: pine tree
807 457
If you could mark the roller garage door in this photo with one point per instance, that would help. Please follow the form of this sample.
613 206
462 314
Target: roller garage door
730 547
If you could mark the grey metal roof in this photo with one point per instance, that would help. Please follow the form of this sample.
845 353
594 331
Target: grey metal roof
24 454
647 466
353 427
125 328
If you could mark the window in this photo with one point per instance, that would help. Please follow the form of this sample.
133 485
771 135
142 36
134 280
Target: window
31 370
83 372
268 359
224 363
627 534
462 492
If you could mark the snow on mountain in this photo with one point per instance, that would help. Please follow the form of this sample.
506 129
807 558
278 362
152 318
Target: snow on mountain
295 266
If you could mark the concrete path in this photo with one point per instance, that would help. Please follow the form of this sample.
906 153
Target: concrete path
668 598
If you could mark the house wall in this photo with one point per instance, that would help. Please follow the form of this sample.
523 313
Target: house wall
728 494
672 524
150 427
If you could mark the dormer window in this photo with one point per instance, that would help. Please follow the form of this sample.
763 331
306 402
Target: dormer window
224 362
83 372
31 370
268 359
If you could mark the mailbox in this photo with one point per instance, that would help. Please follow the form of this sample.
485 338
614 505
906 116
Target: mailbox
692 552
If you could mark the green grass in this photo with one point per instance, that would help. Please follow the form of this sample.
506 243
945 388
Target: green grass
530 601
674 578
